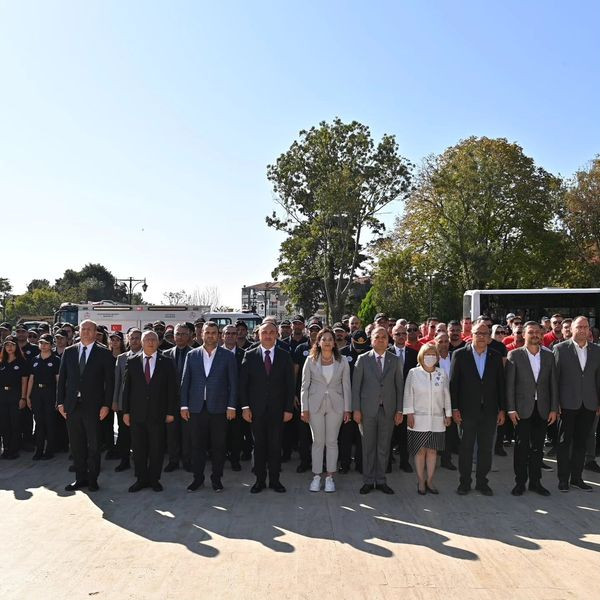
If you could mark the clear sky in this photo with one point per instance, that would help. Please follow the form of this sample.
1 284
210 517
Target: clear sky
137 134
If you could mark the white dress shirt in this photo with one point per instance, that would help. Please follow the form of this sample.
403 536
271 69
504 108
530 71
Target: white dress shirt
581 354
207 359
271 353
445 364
400 351
88 349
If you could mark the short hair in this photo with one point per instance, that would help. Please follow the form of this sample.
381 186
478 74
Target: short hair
567 321
209 325
149 332
265 324
454 323
531 324
377 328
426 348
556 316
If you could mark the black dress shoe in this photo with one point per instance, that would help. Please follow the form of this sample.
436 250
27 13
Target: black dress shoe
171 466
302 468
420 491
518 490
581 484
93 486
500 451
563 486
217 485
277 486
385 488
538 488
463 489
71 468
123 466
447 464
431 490
592 465
258 487
406 467
366 488
343 470
48 456
137 486
157 486
485 489
235 466
195 485
76 485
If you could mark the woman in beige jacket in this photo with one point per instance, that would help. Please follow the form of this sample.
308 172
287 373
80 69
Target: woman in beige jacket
325 400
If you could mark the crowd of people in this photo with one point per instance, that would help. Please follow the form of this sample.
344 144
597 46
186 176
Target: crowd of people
341 397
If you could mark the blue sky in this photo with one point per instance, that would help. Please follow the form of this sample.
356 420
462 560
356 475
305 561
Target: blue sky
137 134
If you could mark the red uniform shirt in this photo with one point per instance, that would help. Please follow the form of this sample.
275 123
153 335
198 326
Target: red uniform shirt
515 345
550 339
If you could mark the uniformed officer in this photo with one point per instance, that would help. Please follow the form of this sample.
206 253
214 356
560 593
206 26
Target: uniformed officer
41 398
29 351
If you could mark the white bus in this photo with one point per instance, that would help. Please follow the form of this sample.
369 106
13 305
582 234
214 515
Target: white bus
533 304
120 317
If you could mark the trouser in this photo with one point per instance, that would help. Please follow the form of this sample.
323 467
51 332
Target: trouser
325 428
479 428
451 442
9 421
234 437
179 441
43 402
83 426
208 428
267 430
377 436
304 442
575 425
123 445
504 432
590 446
291 431
349 436
148 444
247 439
107 432
552 433
530 434
62 436
400 439
25 427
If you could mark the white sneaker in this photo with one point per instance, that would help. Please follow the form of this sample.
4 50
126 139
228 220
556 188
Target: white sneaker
329 484
315 484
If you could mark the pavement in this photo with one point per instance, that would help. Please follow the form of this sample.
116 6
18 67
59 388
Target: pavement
175 544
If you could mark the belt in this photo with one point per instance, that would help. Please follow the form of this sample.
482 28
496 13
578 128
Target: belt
7 388
43 385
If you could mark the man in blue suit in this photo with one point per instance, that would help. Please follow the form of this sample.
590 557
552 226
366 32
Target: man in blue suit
209 390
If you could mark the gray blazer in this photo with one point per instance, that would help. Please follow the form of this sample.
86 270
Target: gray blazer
371 387
577 387
315 387
120 365
521 387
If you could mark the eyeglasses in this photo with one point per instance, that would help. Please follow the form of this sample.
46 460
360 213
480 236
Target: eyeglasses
412 329
500 332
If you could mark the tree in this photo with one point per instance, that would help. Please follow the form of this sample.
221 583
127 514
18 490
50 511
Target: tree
92 283
38 302
368 308
5 285
37 284
332 184
209 296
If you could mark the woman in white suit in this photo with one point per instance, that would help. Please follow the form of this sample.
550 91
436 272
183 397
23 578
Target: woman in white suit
428 410
325 400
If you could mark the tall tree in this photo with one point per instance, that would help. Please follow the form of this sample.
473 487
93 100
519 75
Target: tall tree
36 284
332 184
5 285
93 283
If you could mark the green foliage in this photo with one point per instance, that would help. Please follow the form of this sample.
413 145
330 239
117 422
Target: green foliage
331 185
37 284
368 308
38 302
92 283
5 285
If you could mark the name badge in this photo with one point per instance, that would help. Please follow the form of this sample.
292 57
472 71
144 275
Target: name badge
49 364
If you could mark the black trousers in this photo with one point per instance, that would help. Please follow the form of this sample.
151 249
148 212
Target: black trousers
234 438
107 432
83 425
207 428
179 441
530 435
62 436
451 442
480 428
148 445
291 431
400 439
267 430
9 421
43 402
25 427
575 426
123 444
350 436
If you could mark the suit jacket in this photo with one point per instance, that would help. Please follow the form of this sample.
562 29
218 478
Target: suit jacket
94 388
149 402
218 390
315 387
410 359
577 387
371 387
262 392
120 365
172 354
472 394
521 386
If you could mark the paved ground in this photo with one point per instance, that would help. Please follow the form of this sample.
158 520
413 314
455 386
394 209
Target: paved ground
111 544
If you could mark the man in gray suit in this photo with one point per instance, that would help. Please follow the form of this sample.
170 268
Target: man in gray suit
578 373
377 394
532 404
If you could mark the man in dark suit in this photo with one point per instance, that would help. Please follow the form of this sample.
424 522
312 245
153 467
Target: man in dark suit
209 398
267 387
179 440
149 401
477 392
578 373
408 356
84 397
532 404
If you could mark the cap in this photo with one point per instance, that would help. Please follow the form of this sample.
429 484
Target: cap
158 324
360 341
10 339
297 318
241 322
380 316
199 321
338 326
6 326
314 322
286 322
510 316
20 327
33 332
46 337
189 325
118 334
60 333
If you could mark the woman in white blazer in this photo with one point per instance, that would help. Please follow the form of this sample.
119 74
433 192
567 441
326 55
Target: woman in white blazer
428 410
325 402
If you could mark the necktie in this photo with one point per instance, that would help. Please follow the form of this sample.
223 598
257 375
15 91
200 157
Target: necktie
379 363
179 360
147 370
82 361
268 363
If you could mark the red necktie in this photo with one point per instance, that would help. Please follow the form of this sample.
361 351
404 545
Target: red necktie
147 370
268 363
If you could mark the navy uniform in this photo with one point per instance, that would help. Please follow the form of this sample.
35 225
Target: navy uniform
43 374
30 351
